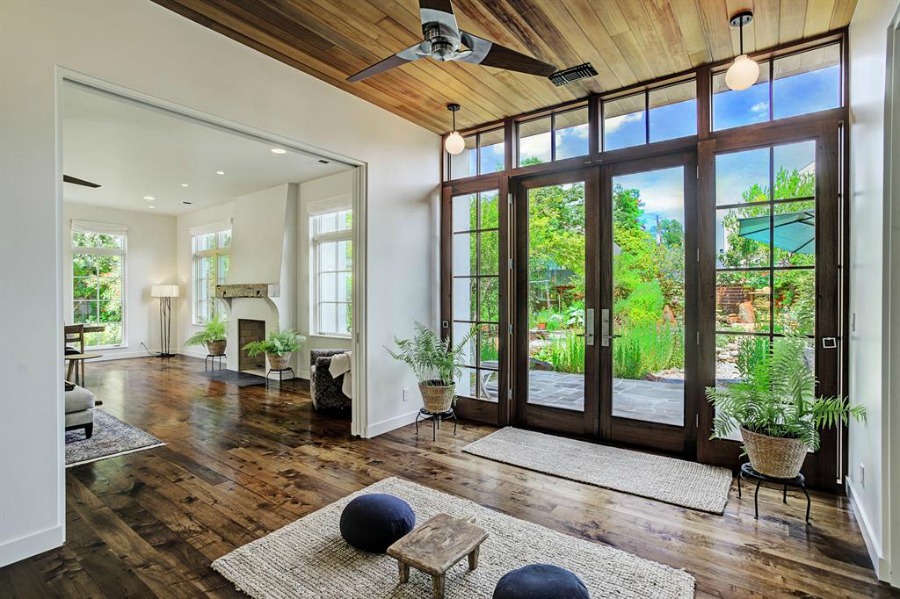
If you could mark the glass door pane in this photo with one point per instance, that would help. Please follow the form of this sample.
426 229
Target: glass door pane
556 296
648 296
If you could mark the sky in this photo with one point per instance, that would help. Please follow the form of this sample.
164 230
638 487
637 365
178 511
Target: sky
662 191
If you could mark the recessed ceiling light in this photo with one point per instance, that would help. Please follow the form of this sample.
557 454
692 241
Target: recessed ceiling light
187 203
149 198
184 184
151 207
278 151
220 172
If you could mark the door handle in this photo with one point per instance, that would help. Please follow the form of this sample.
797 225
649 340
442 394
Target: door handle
605 334
589 326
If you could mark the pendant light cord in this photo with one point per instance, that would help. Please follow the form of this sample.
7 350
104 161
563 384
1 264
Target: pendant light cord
742 35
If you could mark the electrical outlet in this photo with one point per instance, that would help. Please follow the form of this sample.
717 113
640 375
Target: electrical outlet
862 476
405 395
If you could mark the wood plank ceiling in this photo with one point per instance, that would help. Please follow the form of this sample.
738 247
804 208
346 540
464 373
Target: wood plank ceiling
627 41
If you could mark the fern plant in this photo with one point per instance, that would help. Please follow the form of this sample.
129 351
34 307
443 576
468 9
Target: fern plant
435 361
277 342
214 330
777 398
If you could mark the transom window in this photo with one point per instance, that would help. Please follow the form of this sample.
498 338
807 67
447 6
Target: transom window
211 252
483 153
557 136
803 82
98 281
331 238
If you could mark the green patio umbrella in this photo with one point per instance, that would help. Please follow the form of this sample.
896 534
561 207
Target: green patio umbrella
793 231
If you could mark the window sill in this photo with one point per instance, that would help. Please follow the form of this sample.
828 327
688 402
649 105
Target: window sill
335 336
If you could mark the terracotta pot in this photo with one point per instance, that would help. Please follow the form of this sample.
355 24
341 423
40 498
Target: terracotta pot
216 348
437 398
774 456
279 361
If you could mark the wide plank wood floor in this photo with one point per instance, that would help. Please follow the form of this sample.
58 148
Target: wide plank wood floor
240 463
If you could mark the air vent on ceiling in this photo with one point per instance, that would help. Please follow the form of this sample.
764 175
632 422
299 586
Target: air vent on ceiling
567 76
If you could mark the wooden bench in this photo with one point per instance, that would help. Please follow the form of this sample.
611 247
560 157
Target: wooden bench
437 546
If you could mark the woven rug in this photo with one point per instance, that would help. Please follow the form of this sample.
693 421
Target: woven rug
111 438
688 484
308 558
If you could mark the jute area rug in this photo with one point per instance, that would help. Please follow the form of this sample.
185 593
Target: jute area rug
308 558
688 484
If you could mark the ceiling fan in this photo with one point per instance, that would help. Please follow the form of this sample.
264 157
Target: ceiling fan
445 41
77 181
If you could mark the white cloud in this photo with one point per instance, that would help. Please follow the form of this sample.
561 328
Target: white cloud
760 107
615 123
536 146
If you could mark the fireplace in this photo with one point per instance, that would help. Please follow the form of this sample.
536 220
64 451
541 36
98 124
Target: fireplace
248 332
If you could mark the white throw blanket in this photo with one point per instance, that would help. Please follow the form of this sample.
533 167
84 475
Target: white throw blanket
340 364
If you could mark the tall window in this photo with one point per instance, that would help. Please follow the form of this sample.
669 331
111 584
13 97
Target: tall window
98 281
211 258
331 235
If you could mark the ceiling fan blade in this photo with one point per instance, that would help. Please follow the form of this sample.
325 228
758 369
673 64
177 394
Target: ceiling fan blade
492 54
440 13
77 181
399 59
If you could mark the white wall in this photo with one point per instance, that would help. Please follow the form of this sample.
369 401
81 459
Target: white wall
146 48
868 444
337 188
149 260
257 237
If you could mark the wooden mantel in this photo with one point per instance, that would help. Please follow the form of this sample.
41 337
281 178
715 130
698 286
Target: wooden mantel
248 290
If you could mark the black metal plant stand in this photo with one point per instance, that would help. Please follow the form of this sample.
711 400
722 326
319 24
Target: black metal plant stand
436 418
209 363
280 372
747 471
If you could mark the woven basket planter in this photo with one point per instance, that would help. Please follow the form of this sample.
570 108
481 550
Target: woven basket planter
774 456
437 399
279 362
216 348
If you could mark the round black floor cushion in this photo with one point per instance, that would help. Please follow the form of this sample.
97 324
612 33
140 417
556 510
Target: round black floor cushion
540 581
376 521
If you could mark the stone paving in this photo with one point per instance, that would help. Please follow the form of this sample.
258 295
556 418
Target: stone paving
652 401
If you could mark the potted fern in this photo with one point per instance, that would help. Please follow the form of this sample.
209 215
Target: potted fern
213 336
437 364
278 347
776 409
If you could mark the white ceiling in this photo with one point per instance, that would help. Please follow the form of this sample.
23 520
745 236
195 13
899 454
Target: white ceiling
133 151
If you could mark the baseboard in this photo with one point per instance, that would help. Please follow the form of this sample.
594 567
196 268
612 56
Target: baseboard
386 426
879 563
24 547
111 354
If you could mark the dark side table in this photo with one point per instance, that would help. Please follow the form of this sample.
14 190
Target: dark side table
747 471
436 418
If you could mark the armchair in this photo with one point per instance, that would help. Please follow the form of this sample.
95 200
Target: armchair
325 389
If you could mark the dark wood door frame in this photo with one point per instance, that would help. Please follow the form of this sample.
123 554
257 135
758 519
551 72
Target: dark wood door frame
823 468
662 437
543 417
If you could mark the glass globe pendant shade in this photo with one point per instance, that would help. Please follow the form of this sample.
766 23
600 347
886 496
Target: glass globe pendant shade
454 144
743 73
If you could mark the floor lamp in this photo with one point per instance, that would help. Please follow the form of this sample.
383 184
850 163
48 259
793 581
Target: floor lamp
165 293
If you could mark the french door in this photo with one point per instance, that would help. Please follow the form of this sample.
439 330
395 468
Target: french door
601 302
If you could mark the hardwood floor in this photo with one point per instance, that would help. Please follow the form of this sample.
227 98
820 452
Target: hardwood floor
240 463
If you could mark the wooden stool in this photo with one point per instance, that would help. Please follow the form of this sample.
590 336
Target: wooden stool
437 546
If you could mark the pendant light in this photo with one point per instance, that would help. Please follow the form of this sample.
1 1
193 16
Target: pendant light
454 144
743 72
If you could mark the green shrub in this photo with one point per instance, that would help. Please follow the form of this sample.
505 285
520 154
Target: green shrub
278 343
648 348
